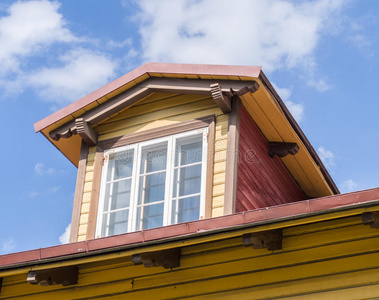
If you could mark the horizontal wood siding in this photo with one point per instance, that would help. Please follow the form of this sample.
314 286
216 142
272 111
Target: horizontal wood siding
84 213
336 259
158 110
262 181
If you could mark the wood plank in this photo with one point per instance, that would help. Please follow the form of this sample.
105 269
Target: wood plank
158 132
209 165
231 172
156 114
79 188
152 104
281 174
92 218
174 119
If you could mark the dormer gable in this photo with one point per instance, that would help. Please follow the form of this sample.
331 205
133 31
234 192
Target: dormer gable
171 143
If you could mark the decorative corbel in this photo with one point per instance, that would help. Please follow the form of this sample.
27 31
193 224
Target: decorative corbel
80 127
166 258
64 134
371 218
221 100
247 89
64 276
282 149
272 240
86 132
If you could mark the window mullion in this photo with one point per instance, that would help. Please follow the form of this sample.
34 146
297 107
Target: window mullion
133 190
110 197
203 174
169 180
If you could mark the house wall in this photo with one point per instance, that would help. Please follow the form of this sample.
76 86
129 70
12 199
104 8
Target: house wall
158 110
262 181
332 259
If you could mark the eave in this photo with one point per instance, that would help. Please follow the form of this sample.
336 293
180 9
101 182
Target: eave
192 233
273 118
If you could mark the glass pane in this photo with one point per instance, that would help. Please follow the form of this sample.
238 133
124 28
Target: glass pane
154 158
187 180
151 188
120 165
116 223
185 210
189 150
150 216
117 194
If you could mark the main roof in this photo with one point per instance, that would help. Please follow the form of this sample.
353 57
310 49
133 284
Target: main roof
196 232
273 118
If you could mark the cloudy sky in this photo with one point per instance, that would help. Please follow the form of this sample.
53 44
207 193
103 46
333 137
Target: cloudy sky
322 56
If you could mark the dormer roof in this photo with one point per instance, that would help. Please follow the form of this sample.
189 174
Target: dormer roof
270 114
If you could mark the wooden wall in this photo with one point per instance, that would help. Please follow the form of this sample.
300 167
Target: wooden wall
158 110
333 259
262 181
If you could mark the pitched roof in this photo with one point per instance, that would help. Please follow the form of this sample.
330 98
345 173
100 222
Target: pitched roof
277 124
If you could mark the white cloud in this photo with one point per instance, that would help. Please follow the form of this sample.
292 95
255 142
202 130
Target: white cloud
40 170
348 186
54 189
271 33
326 156
33 194
33 27
7 245
82 72
65 236
319 85
27 29
296 109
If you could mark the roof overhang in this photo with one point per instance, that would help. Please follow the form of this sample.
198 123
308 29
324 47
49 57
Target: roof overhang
197 232
264 105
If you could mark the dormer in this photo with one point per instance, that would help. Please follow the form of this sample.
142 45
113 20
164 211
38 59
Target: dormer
172 143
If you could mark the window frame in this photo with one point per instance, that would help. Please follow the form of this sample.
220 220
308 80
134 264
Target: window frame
137 148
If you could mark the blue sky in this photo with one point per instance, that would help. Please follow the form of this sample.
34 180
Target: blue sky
322 56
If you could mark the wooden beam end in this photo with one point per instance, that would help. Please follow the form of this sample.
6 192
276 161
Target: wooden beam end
221 100
371 219
282 149
271 240
167 259
64 276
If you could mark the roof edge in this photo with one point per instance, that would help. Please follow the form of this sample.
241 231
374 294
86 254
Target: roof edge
165 68
249 219
300 133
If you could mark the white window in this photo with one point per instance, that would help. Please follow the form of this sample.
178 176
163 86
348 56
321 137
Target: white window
154 183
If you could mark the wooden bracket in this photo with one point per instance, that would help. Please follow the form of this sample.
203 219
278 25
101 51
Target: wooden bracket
252 89
282 149
221 100
371 218
272 240
87 133
80 127
166 258
64 276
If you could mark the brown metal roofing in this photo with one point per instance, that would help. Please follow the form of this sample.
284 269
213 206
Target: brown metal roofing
253 218
161 68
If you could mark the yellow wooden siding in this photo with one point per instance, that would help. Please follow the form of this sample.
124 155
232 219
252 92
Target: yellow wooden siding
84 212
157 110
326 260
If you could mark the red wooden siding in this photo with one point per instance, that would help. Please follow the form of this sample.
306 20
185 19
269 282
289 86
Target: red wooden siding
262 181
